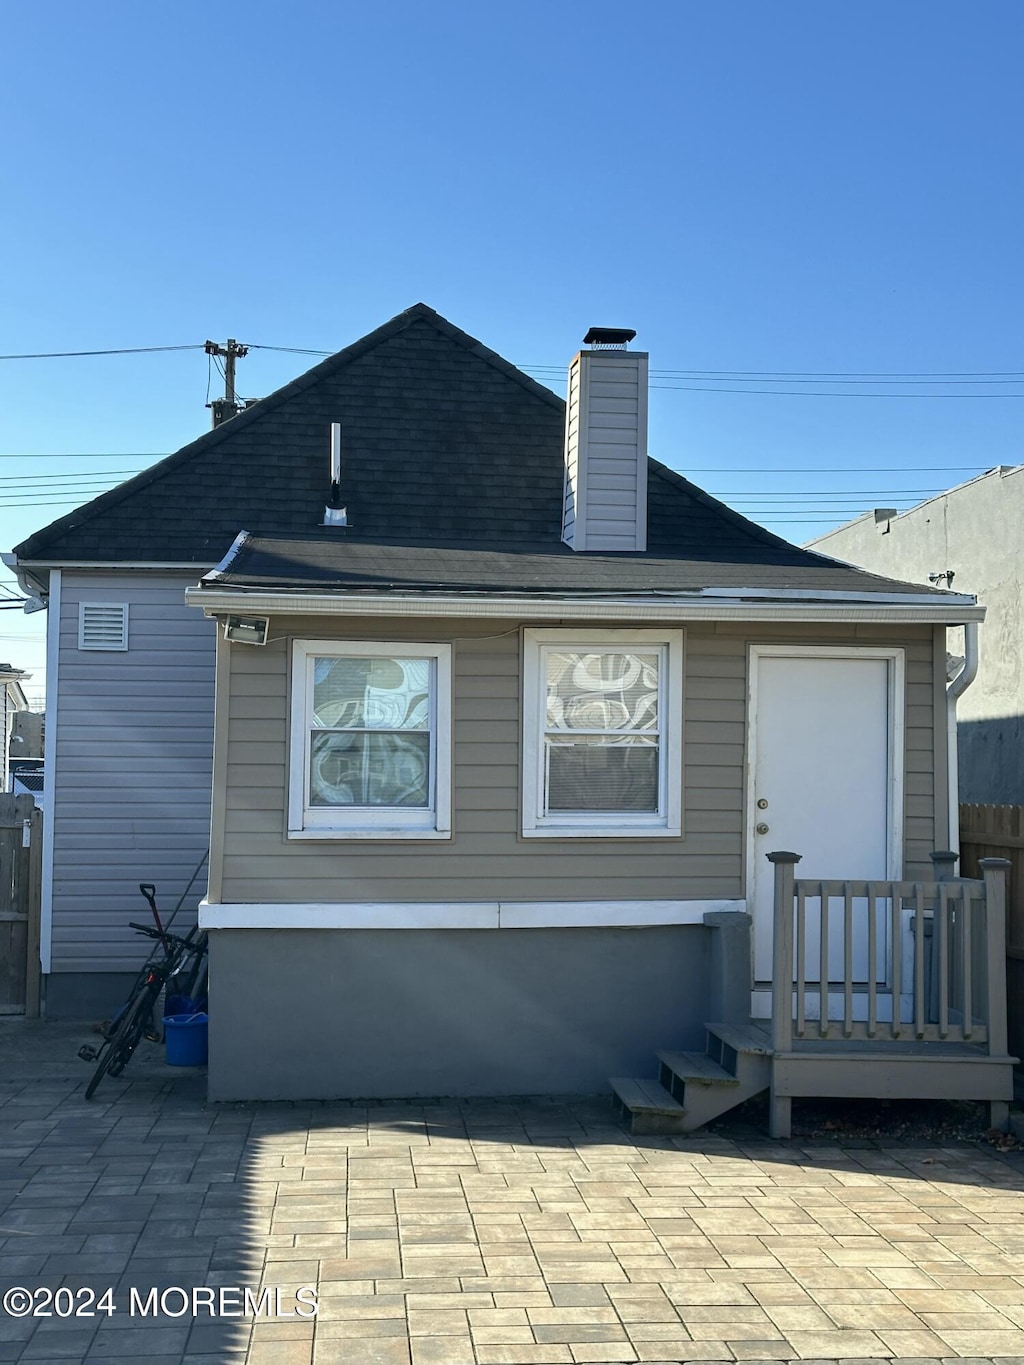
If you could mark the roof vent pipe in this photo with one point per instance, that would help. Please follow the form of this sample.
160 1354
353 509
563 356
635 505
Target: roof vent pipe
334 513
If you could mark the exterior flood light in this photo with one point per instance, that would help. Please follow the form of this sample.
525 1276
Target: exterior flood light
246 630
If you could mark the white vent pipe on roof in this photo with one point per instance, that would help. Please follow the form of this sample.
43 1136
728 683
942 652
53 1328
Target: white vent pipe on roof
334 513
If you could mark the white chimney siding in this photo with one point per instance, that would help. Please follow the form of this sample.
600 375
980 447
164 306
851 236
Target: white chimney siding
605 504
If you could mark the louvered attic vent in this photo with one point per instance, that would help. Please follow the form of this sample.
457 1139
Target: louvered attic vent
103 625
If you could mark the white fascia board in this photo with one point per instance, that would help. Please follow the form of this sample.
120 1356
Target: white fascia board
116 565
664 607
952 599
461 915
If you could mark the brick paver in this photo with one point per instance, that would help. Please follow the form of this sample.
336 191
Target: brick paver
486 1233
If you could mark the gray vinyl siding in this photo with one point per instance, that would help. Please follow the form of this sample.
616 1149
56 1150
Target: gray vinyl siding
605 503
572 454
487 859
131 798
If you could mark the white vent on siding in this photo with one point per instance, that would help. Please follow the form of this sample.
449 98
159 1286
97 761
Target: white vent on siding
103 625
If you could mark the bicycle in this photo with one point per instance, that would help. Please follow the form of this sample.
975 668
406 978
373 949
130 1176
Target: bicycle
123 1033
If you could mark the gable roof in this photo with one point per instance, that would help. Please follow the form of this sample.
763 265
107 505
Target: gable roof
444 445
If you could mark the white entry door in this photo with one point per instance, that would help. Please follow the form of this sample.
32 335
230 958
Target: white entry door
825 781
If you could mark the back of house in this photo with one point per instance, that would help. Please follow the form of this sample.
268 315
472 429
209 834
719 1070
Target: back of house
483 715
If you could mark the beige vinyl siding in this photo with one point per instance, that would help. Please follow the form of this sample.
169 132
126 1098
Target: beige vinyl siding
487 859
131 798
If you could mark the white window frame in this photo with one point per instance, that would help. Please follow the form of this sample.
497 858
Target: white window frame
363 822
668 822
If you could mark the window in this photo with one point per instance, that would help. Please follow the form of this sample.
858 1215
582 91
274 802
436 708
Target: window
602 733
370 742
103 625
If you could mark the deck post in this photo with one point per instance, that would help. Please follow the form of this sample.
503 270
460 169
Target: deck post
945 861
994 871
780 1106
782 950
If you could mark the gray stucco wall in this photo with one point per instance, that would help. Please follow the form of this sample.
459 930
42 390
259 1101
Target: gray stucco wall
304 1014
977 530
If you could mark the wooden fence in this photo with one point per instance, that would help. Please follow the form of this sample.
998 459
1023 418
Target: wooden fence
21 849
998 832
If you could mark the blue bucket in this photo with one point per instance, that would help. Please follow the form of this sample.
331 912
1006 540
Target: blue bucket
187 1038
181 1004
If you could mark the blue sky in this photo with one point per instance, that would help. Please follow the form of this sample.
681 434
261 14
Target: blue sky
797 188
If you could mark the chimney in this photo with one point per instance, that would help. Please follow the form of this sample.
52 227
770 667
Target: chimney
605 502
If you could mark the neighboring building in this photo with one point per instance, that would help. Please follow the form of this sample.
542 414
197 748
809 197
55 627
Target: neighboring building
494 711
28 778
14 701
27 733
972 539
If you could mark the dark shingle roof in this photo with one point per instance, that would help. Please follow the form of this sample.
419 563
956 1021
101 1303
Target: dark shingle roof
440 437
333 563
444 444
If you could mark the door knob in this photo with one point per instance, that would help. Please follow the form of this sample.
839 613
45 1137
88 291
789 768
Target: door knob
762 829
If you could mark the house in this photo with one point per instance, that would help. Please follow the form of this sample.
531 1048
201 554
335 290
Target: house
493 721
971 536
14 702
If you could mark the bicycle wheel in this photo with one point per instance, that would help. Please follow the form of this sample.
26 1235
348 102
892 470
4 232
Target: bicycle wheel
116 1054
134 1025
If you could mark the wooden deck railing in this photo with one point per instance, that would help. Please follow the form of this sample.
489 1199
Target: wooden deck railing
890 960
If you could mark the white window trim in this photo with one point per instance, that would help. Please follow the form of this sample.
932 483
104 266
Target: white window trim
460 914
393 823
668 824
84 608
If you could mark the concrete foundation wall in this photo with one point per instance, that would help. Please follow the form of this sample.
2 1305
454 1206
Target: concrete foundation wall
85 995
323 1014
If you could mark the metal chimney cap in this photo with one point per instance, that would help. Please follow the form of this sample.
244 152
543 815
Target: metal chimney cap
609 336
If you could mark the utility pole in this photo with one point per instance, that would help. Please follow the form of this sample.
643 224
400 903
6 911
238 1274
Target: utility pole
226 407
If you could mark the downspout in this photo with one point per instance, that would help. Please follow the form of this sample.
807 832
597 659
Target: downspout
954 690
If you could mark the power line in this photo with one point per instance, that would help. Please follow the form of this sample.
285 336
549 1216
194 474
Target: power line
89 455
882 469
827 393
691 469
289 350
794 376
121 350
822 376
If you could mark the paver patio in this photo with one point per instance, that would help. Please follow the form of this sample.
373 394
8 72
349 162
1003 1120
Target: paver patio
483 1232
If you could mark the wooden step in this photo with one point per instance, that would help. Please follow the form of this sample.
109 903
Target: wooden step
647 1106
750 1037
697 1067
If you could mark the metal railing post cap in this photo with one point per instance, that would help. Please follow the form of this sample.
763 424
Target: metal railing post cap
784 857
